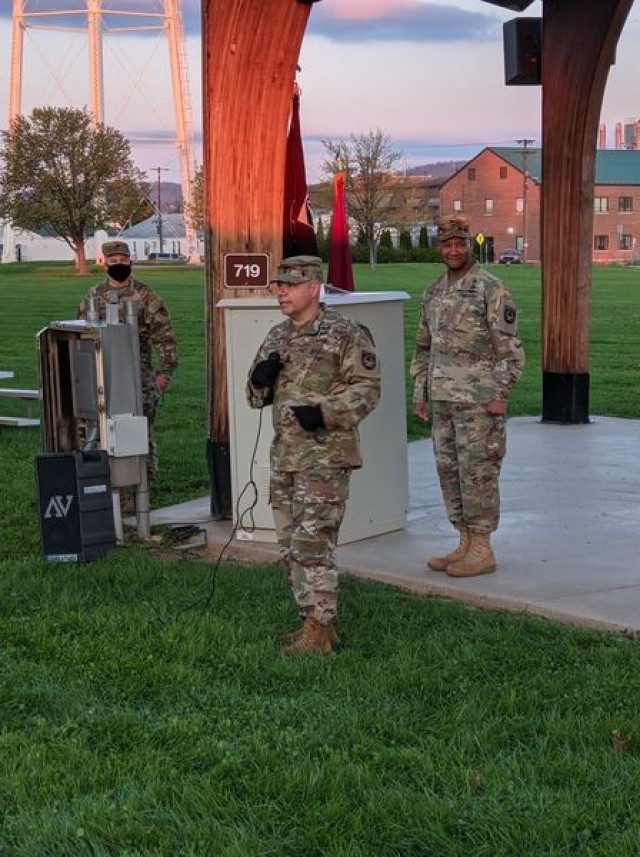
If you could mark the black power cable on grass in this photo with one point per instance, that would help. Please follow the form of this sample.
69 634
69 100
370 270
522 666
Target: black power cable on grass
240 519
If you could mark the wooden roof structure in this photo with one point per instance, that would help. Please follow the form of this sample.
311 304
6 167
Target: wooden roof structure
250 56
578 49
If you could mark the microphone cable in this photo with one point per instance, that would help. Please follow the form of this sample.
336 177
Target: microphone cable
250 485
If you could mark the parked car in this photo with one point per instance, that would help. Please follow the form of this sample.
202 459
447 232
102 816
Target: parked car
510 257
167 257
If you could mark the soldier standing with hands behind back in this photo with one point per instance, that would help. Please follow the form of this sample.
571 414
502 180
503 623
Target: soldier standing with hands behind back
466 360
320 372
158 350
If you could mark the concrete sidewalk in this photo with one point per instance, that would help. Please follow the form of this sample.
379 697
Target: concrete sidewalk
568 546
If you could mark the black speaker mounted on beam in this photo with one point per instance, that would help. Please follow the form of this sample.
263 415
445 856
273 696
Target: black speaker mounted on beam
515 5
522 38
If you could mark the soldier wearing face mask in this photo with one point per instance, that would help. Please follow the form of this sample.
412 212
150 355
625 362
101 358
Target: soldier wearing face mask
158 351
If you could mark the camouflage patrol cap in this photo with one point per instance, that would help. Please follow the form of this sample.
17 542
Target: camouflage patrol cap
299 269
111 248
456 226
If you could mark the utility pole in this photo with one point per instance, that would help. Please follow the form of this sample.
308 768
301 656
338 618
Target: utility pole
525 143
159 207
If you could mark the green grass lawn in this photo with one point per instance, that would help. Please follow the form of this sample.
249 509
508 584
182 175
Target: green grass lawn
128 727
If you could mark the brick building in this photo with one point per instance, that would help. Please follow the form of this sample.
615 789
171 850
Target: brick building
505 208
616 219
491 190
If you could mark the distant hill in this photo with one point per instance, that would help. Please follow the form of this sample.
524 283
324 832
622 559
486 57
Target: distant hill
439 170
170 196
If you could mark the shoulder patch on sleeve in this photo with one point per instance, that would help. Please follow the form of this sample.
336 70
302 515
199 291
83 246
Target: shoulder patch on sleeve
507 320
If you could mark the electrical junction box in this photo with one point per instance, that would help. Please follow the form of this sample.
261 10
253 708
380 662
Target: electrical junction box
75 505
92 393
379 491
126 435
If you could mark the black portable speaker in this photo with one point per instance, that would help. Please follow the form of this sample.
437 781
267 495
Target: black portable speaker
75 505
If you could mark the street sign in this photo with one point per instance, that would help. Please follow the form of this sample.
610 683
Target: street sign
246 270
480 239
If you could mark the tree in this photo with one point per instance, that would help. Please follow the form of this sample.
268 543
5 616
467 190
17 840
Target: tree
196 209
385 239
404 241
367 162
64 173
321 240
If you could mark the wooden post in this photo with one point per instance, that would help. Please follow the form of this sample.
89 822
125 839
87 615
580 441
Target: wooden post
250 55
579 41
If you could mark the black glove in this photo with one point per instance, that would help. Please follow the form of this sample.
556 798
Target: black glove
265 372
309 416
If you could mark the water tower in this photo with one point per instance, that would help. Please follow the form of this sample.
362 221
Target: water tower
97 18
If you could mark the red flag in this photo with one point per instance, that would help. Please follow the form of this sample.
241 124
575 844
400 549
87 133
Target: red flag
298 237
340 273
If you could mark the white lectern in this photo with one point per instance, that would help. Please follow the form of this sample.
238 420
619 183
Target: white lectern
379 492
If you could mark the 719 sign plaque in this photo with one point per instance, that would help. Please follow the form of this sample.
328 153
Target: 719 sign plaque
246 270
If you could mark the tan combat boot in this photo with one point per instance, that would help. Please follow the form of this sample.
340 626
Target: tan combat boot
479 559
442 563
292 636
313 638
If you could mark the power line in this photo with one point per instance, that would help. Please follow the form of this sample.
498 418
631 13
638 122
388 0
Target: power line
158 170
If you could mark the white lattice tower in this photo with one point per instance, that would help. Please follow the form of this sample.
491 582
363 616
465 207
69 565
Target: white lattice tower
89 16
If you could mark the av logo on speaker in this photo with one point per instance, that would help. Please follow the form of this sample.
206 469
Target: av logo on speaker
59 506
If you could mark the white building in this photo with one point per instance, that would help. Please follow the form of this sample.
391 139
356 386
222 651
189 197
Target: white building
146 237
37 247
143 240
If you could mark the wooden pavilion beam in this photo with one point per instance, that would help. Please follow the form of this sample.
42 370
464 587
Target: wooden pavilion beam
579 42
250 56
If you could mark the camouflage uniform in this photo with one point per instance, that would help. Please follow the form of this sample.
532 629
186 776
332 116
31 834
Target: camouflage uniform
156 338
467 354
331 362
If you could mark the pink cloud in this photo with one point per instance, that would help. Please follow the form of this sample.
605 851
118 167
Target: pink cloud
366 10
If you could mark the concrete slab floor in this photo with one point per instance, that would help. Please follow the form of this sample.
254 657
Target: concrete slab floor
568 546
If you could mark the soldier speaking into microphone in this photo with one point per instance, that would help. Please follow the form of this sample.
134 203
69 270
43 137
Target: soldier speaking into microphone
320 372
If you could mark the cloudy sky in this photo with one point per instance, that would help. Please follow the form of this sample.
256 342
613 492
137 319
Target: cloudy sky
428 74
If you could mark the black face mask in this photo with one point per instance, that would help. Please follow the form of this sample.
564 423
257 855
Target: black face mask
119 272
